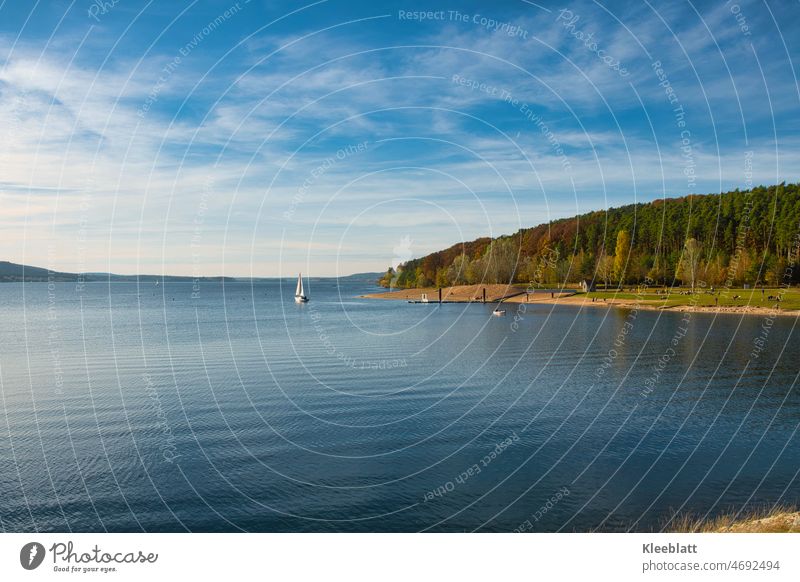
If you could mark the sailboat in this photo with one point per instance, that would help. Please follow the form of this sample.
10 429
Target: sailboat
299 294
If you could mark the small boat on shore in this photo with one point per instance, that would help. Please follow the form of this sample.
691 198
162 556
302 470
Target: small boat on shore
299 294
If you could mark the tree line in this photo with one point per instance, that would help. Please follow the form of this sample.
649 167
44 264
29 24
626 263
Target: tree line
729 239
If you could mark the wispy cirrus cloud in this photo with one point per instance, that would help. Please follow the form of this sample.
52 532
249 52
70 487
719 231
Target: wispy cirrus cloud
243 156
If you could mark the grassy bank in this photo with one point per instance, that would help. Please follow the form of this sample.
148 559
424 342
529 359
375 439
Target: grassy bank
774 520
724 301
789 298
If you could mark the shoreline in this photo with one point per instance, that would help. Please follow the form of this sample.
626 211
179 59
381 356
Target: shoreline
515 294
581 300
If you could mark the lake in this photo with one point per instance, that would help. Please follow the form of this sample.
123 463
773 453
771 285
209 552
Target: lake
132 407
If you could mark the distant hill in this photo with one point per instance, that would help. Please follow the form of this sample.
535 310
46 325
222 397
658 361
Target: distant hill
14 273
729 239
366 277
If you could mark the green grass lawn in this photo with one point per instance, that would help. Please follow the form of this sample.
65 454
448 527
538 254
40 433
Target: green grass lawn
790 298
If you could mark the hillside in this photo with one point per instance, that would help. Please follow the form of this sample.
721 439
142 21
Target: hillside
15 273
729 239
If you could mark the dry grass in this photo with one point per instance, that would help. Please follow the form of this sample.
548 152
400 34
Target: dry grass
781 519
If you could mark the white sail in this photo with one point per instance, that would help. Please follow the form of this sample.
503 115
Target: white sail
300 294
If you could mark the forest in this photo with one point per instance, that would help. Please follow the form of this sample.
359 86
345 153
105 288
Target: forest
729 239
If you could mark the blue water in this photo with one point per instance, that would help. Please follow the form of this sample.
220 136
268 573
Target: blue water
130 408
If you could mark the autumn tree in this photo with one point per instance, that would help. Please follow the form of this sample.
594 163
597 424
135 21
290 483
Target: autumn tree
501 261
690 261
621 255
605 269
744 233
457 272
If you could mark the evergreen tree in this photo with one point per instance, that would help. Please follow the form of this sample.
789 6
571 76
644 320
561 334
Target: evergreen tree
740 235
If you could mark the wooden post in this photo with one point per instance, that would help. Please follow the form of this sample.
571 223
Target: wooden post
484 294
440 294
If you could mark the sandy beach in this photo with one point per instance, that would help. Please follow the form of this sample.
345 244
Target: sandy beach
456 294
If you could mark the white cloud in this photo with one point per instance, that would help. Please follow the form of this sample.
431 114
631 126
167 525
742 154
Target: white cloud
80 158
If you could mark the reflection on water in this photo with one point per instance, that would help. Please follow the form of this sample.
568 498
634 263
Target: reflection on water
141 408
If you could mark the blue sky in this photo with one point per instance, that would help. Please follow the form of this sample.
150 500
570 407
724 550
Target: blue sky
335 137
